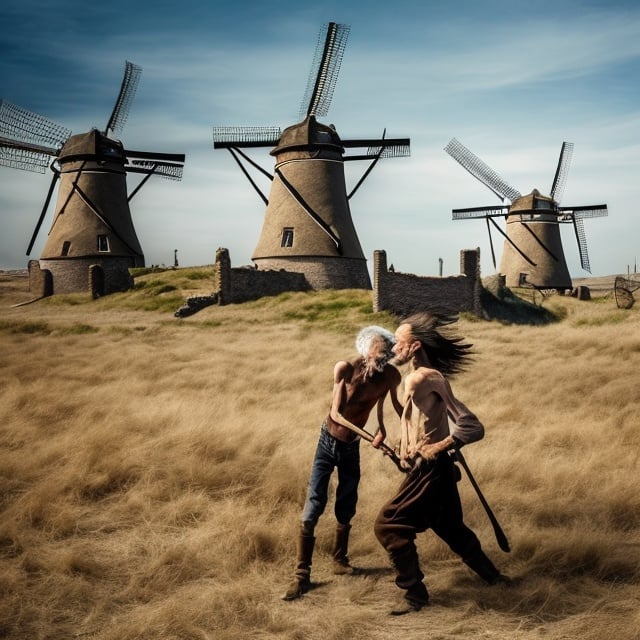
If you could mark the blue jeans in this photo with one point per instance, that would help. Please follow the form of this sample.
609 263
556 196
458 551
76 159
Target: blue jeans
332 453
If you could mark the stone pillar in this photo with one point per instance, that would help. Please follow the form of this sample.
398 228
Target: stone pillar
96 281
379 275
470 267
40 280
222 277
582 293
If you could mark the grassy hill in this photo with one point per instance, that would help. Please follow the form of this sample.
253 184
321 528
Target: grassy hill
152 471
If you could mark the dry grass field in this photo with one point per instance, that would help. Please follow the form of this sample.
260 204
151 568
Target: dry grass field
152 471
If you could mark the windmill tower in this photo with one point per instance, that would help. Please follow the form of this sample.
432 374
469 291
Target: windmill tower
307 226
533 253
92 242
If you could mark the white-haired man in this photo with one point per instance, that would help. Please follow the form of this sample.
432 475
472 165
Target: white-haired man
358 385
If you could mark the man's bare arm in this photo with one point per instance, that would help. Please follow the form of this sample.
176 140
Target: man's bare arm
393 394
381 432
405 422
339 401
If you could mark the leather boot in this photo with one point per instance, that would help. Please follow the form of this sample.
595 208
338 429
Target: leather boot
409 578
480 563
302 579
414 599
341 564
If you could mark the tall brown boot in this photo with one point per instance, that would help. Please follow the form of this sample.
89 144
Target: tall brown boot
481 564
341 564
302 579
409 578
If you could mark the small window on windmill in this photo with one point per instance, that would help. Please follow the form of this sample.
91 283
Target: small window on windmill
103 244
538 203
66 245
522 280
287 237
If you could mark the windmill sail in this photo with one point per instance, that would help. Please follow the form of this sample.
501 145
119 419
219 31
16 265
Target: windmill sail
481 171
128 89
560 178
324 71
165 165
576 215
229 137
28 140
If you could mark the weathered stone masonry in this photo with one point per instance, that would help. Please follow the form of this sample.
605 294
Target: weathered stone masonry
240 284
400 293
405 293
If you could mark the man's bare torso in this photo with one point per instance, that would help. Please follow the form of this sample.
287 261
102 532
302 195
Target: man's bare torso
360 396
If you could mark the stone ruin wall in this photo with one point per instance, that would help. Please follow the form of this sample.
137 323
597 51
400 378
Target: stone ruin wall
241 284
400 293
405 293
40 280
79 275
323 272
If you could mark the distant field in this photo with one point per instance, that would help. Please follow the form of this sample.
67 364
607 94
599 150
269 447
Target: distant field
152 470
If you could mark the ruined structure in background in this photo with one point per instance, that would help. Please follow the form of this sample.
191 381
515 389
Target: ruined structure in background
399 293
405 293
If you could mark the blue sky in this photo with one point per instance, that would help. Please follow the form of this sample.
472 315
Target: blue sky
511 80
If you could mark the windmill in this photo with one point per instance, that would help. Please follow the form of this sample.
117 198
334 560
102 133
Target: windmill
307 224
92 242
532 254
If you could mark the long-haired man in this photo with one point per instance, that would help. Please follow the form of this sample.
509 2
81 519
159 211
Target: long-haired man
433 421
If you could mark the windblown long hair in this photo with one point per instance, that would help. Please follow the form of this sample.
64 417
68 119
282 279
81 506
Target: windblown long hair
447 352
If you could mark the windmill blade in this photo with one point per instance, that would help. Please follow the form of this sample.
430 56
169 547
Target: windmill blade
478 169
576 215
479 212
582 243
43 212
28 140
557 188
376 150
165 165
23 157
21 125
125 97
157 168
587 211
383 148
230 137
324 70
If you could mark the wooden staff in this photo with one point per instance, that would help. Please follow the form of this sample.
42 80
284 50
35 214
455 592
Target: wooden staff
503 543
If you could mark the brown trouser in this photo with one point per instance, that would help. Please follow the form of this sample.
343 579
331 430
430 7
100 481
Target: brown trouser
428 499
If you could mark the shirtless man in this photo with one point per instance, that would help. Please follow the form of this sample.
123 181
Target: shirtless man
358 386
428 498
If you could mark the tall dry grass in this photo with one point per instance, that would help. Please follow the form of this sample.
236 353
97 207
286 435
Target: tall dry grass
152 472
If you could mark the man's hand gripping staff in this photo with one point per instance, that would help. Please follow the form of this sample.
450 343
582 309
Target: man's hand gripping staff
375 441
378 440
385 448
